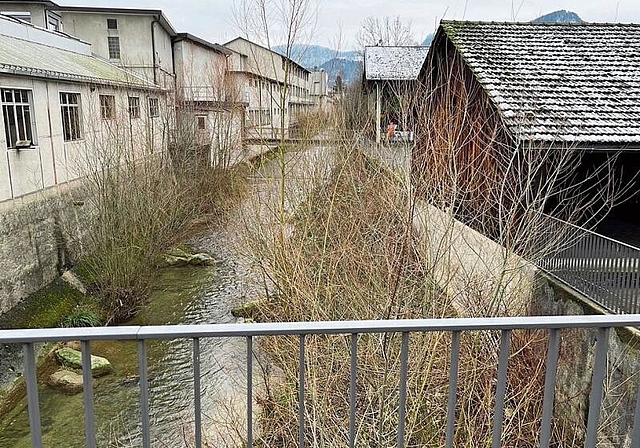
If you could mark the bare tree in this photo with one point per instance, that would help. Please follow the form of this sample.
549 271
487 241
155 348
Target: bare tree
387 31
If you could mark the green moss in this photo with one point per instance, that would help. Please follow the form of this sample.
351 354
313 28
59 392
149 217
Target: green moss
44 308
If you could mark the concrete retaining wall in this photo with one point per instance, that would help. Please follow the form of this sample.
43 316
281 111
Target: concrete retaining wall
39 235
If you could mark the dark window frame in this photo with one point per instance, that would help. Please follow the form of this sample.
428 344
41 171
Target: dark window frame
71 114
17 108
154 107
107 107
113 44
134 106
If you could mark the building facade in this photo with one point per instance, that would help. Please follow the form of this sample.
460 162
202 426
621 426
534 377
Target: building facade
275 88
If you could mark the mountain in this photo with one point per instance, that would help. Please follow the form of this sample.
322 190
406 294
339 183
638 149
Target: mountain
560 16
347 64
350 70
311 56
427 40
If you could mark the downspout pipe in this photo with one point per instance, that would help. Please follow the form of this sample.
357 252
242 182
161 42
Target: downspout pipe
153 48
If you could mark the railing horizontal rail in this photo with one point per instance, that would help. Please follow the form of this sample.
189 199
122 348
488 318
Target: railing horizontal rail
601 268
324 327
405 328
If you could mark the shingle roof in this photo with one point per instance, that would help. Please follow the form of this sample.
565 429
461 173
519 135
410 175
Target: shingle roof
393 63
577 83
18 56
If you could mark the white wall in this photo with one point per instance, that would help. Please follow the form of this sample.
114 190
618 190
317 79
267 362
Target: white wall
136 47
54 162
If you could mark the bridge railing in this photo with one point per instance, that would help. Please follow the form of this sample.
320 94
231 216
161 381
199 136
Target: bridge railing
407 328
603 269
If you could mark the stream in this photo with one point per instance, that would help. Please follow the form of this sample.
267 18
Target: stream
189 295
180 295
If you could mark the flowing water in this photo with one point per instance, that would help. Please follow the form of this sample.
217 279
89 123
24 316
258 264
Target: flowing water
181 295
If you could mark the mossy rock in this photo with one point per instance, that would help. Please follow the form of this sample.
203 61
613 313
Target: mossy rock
248 309
72 359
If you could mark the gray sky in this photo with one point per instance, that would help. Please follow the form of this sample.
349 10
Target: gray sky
213 19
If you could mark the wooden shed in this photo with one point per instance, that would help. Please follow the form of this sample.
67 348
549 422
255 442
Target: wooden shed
497 92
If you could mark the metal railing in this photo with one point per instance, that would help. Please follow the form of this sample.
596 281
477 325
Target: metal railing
455 327
603 269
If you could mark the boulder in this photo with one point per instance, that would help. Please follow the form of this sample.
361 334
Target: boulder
246 310
172 260
72 359
67 381
202 259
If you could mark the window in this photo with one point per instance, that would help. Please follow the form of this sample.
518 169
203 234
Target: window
154 107
70 110
54 24
112 24
202 122
19 128
134 107
114 47
107 107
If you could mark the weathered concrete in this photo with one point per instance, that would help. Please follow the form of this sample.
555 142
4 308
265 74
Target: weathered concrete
39 235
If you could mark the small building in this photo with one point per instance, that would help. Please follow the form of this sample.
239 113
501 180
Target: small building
60 104
391 76
209 100
274 87
319 89
497 89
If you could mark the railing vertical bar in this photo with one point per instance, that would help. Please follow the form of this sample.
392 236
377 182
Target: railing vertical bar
352 390
626 285
501 388
249 391
636 284
197 399
635 439
144 393
404 361
597 385
453 388
301 370
87 384
549 387
32 394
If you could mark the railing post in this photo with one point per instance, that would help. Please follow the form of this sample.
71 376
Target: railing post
197 400
144 393
549 387
404 360
301 371
597 385
87 383
32 394
501 388
352 390
249 391
453 388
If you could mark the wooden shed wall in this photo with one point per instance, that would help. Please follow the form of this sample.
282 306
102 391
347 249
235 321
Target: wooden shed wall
462 146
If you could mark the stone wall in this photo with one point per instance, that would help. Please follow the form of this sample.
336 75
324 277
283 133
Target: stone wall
39 235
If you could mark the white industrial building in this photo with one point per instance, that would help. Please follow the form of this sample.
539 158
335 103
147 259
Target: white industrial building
61 104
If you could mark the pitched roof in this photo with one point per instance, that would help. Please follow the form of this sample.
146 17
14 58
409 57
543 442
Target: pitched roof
573 83
394 63
190 37
23 57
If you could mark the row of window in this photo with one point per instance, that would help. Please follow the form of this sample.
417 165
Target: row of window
19 122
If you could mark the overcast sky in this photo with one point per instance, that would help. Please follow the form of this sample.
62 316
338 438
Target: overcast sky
213 19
